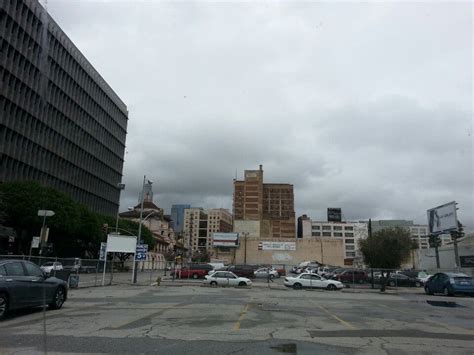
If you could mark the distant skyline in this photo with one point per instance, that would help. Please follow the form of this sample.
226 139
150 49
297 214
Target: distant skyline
363 106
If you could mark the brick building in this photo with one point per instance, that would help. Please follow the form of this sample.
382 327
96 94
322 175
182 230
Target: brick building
263 209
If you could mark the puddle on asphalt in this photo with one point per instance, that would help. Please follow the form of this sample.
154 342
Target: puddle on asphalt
285 348
443 304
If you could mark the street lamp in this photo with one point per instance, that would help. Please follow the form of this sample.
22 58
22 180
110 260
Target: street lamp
140 223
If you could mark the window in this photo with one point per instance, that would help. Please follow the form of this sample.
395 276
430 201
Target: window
316 227
326 228
326 234
349 241
315 277
337 234
349 234
350 247
347 228
14 269
316 234
350 254
337 228
305 277
33 270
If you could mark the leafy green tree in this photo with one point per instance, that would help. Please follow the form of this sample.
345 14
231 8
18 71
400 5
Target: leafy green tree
386 249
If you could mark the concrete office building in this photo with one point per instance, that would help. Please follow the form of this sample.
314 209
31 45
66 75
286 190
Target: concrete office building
200 225
263 210
177 216
350 233
60 123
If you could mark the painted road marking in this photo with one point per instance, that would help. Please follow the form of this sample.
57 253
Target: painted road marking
342 321
241 317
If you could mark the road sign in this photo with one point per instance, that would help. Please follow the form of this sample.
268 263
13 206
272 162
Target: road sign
141 253
35 242
102 252
45 213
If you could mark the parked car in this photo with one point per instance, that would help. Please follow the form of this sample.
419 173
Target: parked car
309 280
420 276
351 276
399 279
333 273
23 285
226 278
280 269
194 271
296 270
450 283
242 270
51 266
266 272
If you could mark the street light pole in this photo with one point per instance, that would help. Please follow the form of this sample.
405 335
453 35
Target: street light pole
139 230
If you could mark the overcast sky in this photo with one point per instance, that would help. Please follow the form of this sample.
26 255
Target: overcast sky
363 106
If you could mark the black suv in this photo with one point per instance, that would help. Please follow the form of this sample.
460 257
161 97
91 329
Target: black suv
242 270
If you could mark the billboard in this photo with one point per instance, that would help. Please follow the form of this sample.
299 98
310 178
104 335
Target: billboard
442 219
229 240
277 246
334 215
121 243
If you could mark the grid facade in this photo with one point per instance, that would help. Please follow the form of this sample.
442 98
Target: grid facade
270 204
60 123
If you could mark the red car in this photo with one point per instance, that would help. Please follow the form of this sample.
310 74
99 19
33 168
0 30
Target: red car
194 271
348 276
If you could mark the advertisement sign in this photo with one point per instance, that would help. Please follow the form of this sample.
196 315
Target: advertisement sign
467 260
142 252
103 249
277 246
121 243
230 240
334 215
442 219
35 242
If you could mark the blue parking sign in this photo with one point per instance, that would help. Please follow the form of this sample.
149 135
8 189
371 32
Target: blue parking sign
141 252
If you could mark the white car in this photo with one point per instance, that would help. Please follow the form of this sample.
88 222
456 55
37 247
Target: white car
265 272
226 278
309 280
49 267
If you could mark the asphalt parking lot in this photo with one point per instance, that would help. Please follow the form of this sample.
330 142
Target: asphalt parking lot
204 320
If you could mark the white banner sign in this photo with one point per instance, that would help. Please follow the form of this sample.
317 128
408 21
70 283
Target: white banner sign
121 243
35 242
230 240
278 246
442 218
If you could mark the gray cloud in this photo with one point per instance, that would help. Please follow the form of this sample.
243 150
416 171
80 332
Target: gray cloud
364 106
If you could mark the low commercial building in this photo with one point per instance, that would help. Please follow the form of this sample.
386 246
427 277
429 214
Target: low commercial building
288 251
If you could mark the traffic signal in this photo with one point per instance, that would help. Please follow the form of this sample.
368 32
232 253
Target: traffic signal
434 241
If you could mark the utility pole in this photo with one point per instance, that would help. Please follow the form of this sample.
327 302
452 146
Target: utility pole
245 248
435 243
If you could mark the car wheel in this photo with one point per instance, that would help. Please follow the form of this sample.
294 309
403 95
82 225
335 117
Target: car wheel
418 284
427 291
213 283
331 287
3 305
242 283
446 292
297 286
391 283
195 276
59 298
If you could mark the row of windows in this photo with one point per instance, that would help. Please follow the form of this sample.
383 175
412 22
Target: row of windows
44 159
26 44
331 234
28 98
21 121
328 228
14 170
